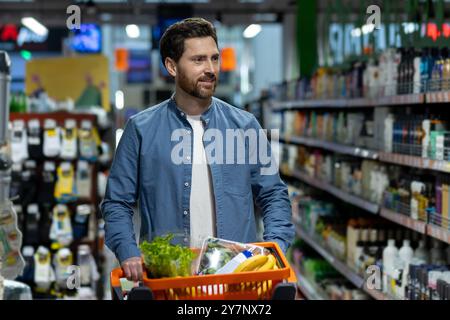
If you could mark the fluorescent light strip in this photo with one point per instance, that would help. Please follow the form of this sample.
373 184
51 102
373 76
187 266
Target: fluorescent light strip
132 31
119 100
35 26
252 30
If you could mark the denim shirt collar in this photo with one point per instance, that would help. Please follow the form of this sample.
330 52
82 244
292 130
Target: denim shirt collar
205 116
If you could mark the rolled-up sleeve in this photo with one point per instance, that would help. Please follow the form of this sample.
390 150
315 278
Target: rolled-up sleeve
271 195
121 196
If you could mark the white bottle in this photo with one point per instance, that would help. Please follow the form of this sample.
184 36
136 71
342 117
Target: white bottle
235 262
388 132
390 255
437 253
406 253
416 77
421 252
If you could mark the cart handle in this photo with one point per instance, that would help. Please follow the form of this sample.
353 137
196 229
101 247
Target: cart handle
116 288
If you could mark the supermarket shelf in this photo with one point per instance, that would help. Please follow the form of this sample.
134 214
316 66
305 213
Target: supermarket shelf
340 266
438 233
416 225
406 99
414 161
304 104
309 289
438 97
336 147
355 200
395 158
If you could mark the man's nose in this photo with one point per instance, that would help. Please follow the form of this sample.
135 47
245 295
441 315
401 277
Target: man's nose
209 68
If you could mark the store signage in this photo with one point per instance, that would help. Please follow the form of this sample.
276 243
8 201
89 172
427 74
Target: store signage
12 33
434 33
16 38
121 61
9 32
228 59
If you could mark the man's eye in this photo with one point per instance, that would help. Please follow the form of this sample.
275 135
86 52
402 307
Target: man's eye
215 58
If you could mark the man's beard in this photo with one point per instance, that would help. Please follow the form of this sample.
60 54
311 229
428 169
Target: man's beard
195 89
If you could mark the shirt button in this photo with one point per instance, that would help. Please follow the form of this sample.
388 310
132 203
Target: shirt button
182 114
186 184
185 212
188 131
188 158
186 240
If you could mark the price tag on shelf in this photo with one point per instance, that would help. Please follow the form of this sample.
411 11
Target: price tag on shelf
447 167
439 233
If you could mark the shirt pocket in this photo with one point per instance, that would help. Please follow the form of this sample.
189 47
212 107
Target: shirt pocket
236 178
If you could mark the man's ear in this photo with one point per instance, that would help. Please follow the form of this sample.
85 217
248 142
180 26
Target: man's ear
171 66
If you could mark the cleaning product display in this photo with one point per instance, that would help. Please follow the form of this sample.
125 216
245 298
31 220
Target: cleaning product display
319 280
365 148
360 242
365 178
52 139
395 71
53 188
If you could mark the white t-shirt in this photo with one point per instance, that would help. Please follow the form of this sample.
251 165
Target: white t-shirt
202 208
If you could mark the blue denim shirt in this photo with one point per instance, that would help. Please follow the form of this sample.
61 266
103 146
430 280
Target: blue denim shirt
144 175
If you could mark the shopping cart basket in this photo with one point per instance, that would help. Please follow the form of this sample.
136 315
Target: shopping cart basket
277 284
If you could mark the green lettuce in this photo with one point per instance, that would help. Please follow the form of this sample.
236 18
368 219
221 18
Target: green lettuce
162 259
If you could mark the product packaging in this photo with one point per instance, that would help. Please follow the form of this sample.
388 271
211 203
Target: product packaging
217 253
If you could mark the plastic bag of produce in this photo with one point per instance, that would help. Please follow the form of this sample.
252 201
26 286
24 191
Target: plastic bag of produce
219 256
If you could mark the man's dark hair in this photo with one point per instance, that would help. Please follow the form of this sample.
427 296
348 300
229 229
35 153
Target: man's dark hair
172 42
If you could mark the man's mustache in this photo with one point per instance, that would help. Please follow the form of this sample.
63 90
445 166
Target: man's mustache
208 78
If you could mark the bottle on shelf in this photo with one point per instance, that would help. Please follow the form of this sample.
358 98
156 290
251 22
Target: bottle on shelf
406 253
437 253
390 255
421 252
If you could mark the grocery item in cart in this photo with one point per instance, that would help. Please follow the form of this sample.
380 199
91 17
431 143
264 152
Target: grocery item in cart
162 259
219 256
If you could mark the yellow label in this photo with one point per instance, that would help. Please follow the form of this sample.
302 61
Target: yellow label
65 182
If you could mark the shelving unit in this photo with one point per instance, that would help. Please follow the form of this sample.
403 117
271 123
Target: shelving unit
394 158
308 288
416 162
336 147
398 218
438 233
410 100
347 197
339 265
397 100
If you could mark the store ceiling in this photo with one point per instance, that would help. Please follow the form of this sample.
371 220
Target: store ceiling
53 12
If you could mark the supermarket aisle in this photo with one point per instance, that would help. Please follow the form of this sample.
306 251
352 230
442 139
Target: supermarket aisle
355 108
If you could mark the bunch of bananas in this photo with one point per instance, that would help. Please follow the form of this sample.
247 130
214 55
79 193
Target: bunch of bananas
259 262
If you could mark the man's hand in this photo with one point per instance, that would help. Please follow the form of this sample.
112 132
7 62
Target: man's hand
132 268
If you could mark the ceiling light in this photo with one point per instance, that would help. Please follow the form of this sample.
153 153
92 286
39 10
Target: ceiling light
35 26
132 31
119 100
368 28
252 30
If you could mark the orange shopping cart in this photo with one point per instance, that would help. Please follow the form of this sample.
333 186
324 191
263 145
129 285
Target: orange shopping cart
277 284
